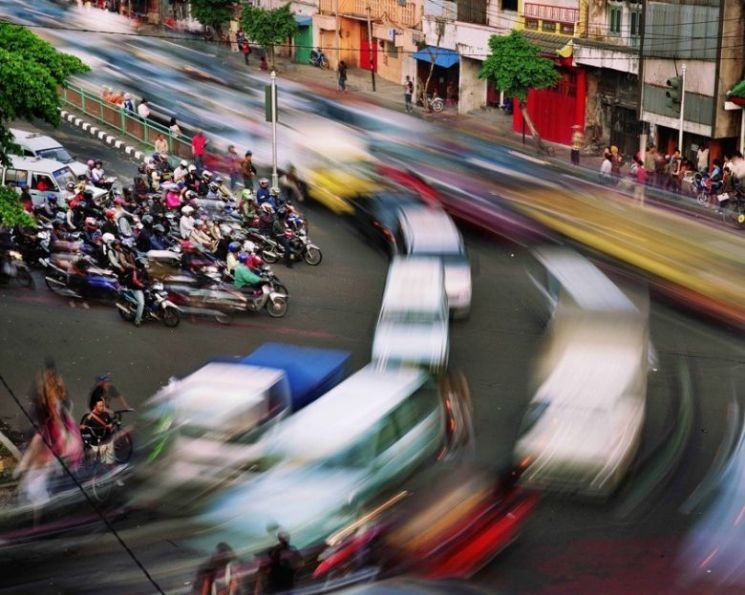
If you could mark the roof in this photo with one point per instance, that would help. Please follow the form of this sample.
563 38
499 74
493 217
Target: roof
430 230
334 421
34 140
550 45
443 57
415 284
41 165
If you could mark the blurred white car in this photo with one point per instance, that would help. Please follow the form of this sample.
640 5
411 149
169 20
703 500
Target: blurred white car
413 323
45 147
583 426
426 231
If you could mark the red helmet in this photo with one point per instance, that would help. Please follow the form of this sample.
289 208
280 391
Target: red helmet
91 223
118 200
109 213
187 246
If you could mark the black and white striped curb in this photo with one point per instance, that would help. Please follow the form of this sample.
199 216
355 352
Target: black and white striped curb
103 135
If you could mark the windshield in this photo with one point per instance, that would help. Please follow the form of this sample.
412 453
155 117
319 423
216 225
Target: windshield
63 176
410 317
57 154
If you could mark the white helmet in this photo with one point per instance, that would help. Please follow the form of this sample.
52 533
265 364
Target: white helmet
192 168
187 210
108 238
249 246
267 207
184 163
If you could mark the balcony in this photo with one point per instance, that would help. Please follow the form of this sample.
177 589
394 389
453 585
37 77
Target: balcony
398 12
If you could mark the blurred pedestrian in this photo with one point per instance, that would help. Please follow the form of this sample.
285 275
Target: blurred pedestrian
702 158
198 150
616 162
263 65
277 572
143 110
675 181
451 93
233 161
214 575
650 158
578 141
245 50
248 170
128 104
342 73
161 145
606 168
408 93
174 127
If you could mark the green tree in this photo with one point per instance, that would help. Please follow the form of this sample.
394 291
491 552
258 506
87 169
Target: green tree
268 28
11 209
30 72
515 65
213 13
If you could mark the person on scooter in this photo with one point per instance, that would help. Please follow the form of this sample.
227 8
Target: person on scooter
247 206
159 240
186 223
243 277
278 230
266 219
98 175
135 281
263 194
231 261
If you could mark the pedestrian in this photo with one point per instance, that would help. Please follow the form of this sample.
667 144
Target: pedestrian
234 166
606 177
451 93
675 181
616 162
641 180
342 70
198 150
263 65
578 141
650 157
143 110
702 158
278 570
161 145
248 170
408 93
245 50
128 104
174 127
214 575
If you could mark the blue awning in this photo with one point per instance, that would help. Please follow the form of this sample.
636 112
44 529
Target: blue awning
443 57
303 20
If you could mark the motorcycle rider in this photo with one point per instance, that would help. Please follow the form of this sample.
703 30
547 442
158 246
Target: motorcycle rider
123 218
192 179
223 192
200 236
98 176
112 252
204 183
135 281
48 209
180 172
109 223
266 219
278 230
186 223
231 260
243 277
143 241
159 240
97 428
69 194
263 194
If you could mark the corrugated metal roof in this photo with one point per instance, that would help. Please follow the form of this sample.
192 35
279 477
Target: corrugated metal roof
548 44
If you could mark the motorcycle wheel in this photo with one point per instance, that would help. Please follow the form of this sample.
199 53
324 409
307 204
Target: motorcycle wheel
702 199
438 105
24 279
223 318
171 317
126 312
313 256
277 307
269 257
279 288
323 64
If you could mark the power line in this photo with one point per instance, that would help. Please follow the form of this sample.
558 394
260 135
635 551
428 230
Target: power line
88 499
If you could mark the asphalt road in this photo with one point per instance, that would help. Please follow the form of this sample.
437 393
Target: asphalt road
572 546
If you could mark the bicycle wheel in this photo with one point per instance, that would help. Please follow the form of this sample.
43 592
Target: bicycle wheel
100 482
123 448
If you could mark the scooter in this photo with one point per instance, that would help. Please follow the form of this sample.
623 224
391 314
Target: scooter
157 306
300 245
318 58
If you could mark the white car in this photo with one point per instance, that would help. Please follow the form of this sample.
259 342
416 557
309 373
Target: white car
412 327
583 426
427 231
45 147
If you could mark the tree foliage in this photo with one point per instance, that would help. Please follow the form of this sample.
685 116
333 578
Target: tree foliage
515 65
268 28
213 13
11 209
30 72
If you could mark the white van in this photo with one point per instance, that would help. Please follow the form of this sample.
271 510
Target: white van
426 231
41 177
413 323
45 147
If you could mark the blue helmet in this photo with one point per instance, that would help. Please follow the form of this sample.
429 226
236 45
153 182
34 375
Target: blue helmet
243 257
234 247
51 198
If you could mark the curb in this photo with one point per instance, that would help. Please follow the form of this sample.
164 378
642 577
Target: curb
102 135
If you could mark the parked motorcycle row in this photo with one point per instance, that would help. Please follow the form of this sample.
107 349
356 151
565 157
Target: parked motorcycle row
184 233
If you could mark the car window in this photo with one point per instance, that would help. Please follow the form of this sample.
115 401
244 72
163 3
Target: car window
535 411
18 177
409 317
63 176
386 437
42 182
357 456
28 153
416 408
56 153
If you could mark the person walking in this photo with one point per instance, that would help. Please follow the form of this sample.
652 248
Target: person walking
578 141
245 50
143 110
198 149
702 158
248 170
408 93
676 176
342 70
650 158
234 166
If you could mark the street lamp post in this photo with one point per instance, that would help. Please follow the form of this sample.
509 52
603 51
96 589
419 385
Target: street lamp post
275 177
682 105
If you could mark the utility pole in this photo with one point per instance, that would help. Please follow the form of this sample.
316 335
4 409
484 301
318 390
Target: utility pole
336 32
682 106
370 46
275 177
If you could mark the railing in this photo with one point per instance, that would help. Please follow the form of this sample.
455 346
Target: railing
544 12
127 123
402 16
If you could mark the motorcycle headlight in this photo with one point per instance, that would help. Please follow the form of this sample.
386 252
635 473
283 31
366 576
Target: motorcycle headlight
157 287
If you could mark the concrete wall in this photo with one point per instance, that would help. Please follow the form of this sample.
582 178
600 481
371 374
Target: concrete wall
700 75
429 28
472 40
471 90
606 58
731 64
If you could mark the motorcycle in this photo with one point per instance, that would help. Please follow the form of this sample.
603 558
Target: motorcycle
157 306
13 269
99 283
435 103
266 297
300 246
318 59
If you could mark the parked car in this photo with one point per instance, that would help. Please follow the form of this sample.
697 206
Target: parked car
426 231
41 146
584 424
340 452
412 327
214 423
42 177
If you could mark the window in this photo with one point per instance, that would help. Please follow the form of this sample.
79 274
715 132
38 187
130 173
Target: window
42 183
509 4
567 28
548 26
472 11
63 176
635 17
17 177
614 20
391 49
531 24
418 407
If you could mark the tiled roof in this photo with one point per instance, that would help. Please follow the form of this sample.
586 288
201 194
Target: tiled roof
548 44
